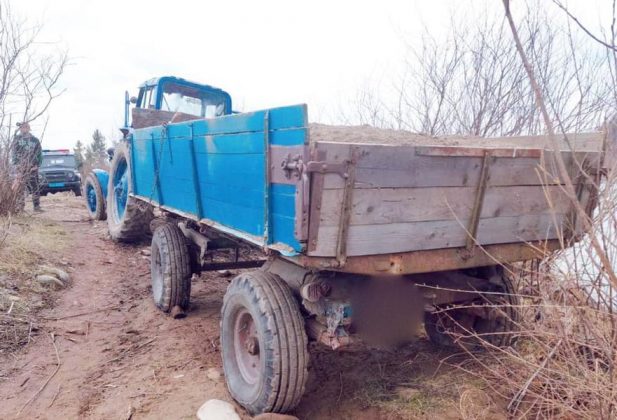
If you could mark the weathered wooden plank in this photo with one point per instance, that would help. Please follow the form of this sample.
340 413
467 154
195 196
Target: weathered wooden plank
399 205
388 166
404 237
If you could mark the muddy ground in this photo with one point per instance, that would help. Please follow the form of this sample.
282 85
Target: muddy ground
114 356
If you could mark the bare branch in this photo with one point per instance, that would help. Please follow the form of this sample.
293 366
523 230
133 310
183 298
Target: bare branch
580 25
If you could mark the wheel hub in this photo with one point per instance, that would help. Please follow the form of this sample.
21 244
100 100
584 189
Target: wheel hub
252 346
91 196
246 347
157 275
120 188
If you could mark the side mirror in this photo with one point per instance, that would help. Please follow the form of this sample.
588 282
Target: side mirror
133 99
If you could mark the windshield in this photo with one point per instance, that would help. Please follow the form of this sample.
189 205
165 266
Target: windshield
67 160
188 100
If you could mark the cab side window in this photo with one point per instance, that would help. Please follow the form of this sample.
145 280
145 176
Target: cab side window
146 100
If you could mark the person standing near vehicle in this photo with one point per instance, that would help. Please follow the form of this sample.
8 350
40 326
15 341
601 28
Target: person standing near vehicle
28 156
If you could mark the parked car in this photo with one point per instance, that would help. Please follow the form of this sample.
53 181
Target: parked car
59 172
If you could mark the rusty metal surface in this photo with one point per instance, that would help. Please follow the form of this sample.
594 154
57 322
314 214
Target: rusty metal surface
478 202
232 265
280 154
346 204
319 332
143 117
317 184
431 260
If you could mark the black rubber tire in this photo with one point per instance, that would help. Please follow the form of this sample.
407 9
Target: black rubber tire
503 327
135 223
281 337
170 268
100 212
77 191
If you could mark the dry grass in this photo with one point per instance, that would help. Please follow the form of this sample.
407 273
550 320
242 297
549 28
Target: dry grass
565 362
423 388
29 243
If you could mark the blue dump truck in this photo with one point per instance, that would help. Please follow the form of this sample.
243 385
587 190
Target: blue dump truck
359 235
58 172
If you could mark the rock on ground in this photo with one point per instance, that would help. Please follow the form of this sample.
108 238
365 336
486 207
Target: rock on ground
217 410
214 374
275 416
46 280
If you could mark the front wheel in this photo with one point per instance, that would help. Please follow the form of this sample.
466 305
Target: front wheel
264 344
128 218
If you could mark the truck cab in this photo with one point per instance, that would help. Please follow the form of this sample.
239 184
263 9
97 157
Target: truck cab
59 172
171 99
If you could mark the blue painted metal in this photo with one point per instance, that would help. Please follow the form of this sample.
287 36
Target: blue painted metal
127 104
214 171
198 206
103 177
91 197
121 189
159 82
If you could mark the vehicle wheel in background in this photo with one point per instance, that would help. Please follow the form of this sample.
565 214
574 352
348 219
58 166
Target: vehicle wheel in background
489 320
128 218
95 201
77 191
263 342
170 268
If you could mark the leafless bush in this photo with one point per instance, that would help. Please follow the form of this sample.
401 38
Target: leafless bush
29 76
472 82
565 363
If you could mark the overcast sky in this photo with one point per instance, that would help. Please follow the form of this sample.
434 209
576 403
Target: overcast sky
264 53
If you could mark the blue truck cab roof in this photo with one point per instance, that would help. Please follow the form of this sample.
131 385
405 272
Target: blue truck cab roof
153 92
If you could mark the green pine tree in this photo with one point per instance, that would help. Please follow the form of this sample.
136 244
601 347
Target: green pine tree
78 150
96 153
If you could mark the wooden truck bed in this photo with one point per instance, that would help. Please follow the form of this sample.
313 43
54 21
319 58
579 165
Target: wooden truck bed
418 204
364 200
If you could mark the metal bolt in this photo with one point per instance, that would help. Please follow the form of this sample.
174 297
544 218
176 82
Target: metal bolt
252 346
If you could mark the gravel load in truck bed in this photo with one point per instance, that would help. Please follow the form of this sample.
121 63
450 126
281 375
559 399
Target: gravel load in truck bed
367 134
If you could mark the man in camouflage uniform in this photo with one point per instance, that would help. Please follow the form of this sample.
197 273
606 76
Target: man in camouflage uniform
28 156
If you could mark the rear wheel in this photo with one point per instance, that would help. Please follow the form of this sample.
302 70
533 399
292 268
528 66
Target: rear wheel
490 319
128 218
264 343
170 268
95 201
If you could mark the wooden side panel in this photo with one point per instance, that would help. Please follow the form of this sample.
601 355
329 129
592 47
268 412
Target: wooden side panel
404 237
412 198
400 167
401 205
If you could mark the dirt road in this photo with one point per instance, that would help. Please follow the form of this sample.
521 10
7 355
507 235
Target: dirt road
115 356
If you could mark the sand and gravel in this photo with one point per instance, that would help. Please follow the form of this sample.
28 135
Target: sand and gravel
371 135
